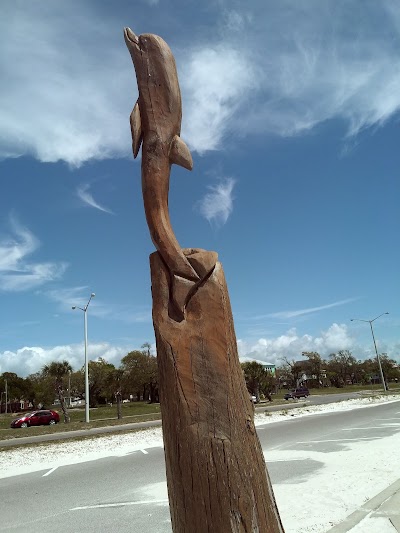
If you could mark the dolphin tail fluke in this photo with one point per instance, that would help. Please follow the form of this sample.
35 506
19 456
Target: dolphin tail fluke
136 129
180 154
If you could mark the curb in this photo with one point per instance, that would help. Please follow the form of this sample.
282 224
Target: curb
371 505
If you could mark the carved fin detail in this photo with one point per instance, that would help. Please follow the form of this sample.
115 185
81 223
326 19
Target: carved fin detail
181 289
180 154
136 129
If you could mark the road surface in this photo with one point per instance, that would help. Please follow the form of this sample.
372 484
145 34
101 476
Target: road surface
128 493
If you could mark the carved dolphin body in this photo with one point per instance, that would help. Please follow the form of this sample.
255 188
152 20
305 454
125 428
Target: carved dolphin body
156 122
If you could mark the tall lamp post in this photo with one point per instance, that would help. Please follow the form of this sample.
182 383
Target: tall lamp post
376 351
87 399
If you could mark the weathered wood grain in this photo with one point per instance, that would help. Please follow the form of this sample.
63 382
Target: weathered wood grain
216 474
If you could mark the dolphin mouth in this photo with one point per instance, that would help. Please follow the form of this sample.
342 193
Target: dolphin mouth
130 37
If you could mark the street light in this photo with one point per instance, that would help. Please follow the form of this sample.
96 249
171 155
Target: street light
376 351
84 309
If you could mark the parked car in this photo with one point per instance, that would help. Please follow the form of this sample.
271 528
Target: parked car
302 392
36 418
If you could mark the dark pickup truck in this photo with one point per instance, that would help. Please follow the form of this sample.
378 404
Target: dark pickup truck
302 392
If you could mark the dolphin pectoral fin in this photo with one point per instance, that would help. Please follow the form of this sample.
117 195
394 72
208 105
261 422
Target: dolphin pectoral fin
180 154
136 129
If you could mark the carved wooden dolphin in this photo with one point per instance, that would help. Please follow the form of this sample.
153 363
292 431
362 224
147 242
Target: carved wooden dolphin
156 122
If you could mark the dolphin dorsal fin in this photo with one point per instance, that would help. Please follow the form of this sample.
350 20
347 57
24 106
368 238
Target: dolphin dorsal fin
180 154
136 129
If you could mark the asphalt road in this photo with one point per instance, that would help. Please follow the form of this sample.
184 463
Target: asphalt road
128 493
290 404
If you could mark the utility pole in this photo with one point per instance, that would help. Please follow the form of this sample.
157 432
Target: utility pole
87 399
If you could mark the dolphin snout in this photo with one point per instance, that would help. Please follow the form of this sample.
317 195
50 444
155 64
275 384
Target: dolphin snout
130 37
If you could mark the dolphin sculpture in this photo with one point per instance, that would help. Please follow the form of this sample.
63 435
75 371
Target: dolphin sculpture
156 124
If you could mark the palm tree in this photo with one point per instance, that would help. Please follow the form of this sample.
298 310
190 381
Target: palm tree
58 371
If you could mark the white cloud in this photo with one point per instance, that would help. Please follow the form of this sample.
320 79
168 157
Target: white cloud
63 73
214 83
291 345
283 68
262 67
300 312
31 359
217 204
87 198
16 273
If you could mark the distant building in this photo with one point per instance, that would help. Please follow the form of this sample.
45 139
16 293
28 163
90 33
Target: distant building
268 366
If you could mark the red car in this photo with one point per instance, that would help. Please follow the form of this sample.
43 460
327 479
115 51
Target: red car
36 418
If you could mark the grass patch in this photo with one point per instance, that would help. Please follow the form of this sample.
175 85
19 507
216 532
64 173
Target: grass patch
99 417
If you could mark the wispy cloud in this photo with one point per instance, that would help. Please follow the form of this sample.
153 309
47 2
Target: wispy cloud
16 272
278 68
282 68
87 198
300 312
217 204
68 297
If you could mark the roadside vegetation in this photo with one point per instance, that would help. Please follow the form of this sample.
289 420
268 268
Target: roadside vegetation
129 393
340 372
134 380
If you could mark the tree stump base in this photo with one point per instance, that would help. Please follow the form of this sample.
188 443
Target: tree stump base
216 474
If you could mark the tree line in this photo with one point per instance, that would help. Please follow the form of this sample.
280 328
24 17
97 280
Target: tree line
134 379
338 370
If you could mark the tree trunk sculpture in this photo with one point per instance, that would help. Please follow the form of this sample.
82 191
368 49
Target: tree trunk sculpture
216 474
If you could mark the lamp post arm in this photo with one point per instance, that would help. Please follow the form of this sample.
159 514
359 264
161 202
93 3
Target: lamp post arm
376 318
90 299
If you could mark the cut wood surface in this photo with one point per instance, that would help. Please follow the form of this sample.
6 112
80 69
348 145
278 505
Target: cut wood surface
216 474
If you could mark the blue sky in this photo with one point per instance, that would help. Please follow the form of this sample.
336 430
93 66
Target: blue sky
290 110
